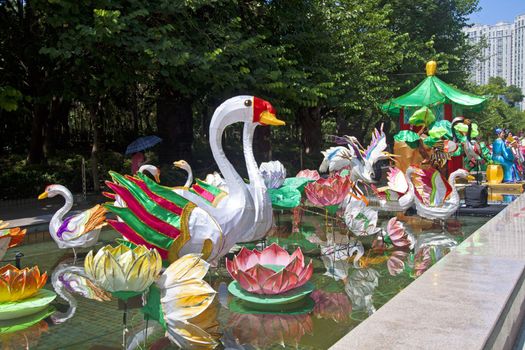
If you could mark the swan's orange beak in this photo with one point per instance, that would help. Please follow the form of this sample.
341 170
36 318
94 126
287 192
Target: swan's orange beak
157 177
268 118
42 195
178 164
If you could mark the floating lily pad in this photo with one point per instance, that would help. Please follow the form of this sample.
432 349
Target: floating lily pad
301 307
21 323
276 302
29 306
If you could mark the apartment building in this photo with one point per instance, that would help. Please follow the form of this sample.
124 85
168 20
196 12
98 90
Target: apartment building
504 54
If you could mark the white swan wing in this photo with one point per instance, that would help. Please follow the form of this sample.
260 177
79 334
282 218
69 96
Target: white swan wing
77 225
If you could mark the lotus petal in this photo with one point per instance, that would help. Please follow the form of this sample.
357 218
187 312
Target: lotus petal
395 263
189 336
280 282
329 191
274 255
122 268
399 236
246 259
17 284
260 274
247 282
190 266
309 174
187 299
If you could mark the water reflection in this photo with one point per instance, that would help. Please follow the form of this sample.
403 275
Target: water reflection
331 306
261 331
352 279
360 289
68 279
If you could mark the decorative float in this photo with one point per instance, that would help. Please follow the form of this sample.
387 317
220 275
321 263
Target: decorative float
21 292
446 103
175 225
77 231
270 278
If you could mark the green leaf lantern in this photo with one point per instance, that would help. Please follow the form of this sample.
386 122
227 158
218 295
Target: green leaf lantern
423 116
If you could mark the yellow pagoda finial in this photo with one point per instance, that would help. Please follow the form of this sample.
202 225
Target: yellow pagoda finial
431 68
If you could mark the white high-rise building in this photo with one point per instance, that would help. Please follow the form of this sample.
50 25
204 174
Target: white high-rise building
504 55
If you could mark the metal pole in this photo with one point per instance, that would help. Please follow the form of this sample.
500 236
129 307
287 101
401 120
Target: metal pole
18 257
84 189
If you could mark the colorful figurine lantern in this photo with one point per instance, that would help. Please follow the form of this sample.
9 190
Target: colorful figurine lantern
445 101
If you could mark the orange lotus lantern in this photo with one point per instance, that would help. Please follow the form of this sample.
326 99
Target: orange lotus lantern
18 284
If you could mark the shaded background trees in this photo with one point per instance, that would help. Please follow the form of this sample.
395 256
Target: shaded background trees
83 79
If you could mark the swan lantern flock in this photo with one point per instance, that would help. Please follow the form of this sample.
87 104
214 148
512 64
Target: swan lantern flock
208 218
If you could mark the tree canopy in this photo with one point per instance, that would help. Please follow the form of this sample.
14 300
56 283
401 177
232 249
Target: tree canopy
91 76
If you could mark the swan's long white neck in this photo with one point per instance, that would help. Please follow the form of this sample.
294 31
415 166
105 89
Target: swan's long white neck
57 219
189 181
454 196
225 115
408 174
254 174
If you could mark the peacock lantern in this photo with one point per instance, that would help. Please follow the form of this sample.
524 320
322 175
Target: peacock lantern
182 222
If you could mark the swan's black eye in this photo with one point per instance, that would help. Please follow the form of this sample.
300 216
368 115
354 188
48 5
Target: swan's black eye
248 103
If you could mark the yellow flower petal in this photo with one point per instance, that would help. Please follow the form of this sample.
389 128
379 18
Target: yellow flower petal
190 266
186 299
189 336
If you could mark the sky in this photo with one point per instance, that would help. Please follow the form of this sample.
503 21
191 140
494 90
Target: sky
494 11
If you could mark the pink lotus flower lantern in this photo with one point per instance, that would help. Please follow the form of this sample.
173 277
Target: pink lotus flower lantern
329 191
251 269
309 174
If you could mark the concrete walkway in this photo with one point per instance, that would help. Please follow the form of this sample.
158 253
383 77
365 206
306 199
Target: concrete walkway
473 298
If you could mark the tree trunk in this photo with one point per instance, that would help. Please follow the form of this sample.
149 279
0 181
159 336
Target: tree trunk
57 130
311 137
262 145
174 125
97 132
36 147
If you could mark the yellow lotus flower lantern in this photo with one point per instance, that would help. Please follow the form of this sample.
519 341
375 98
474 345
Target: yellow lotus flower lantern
16 284
124 271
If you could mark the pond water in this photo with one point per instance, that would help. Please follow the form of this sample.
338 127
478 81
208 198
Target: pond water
345 295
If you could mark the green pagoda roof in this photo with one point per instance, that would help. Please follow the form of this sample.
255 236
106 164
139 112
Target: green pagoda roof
433 91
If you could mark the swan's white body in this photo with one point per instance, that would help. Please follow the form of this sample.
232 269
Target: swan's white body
450 205
243 214
257 192
205 229
74 232
392 201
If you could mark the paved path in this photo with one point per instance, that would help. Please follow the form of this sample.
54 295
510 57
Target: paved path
29 213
